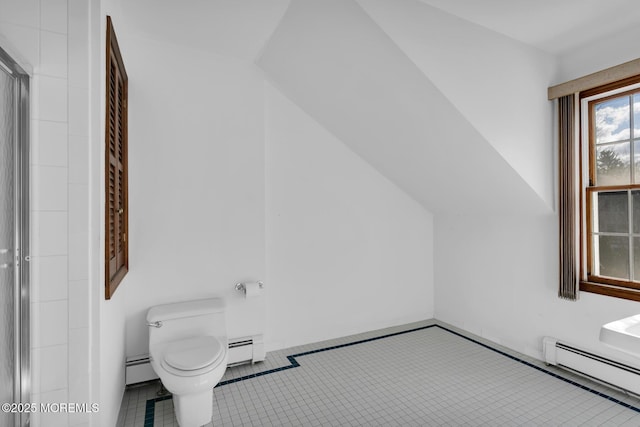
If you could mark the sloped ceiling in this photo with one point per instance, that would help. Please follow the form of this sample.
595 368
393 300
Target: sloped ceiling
425 90
497 83
336 63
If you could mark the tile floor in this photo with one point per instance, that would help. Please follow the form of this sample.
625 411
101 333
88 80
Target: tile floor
423 374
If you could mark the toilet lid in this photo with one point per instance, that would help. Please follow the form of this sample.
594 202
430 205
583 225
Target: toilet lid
193 353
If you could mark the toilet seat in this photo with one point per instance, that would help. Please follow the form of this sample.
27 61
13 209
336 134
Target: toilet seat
192 353
192 356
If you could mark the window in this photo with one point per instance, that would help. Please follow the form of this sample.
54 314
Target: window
613 191
610 190
599 182
116 172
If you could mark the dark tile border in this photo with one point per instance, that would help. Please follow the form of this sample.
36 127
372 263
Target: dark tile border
293 363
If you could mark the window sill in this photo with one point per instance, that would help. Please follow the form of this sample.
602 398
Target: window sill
610 290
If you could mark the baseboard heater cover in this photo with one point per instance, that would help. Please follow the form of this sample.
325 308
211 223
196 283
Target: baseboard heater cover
241 351
591 365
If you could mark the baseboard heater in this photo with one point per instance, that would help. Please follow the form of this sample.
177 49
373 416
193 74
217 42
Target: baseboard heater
591 365
241 351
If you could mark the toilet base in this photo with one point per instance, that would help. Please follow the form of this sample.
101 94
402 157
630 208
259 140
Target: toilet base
194 410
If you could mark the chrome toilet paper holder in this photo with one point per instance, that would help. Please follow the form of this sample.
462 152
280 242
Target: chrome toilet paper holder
240 286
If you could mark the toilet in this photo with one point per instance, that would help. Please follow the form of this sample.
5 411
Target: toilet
189 350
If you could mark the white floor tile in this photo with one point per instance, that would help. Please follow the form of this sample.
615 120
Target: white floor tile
429 376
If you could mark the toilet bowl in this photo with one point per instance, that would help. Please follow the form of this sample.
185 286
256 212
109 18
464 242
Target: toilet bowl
189 351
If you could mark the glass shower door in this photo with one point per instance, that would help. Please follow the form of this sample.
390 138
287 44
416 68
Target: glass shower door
14 237
7 234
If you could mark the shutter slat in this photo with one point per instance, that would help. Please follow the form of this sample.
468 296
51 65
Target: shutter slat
112 211
113 105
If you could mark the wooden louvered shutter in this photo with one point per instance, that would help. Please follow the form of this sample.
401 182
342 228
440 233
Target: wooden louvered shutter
116 200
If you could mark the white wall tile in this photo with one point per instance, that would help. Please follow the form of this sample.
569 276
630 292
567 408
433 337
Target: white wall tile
50 146
53 419
78 208
49 233
78 231
49 279
24 42
78 11
79 352
34 320
34 419
54 368
22 12
78 111
34 97
78 159
78 43
78 256
53 54
36 364
78 304
49 188
52 99
79 391
54 15
52 326
78 64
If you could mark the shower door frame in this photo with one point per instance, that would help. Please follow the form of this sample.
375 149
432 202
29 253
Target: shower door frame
22 347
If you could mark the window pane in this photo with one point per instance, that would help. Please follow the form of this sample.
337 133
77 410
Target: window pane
612 161
636 115
612 212
636 158
612 256
635 200
636 259
612 120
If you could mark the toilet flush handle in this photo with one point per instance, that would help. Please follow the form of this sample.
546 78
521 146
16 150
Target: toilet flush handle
157 324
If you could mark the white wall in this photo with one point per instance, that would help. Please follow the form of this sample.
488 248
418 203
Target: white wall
200 228
497 277
196 172
347 251
109 363
603 53
108 316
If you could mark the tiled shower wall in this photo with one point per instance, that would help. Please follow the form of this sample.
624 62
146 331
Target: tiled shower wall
50 37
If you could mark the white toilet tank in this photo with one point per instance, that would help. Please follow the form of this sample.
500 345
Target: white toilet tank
186 319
